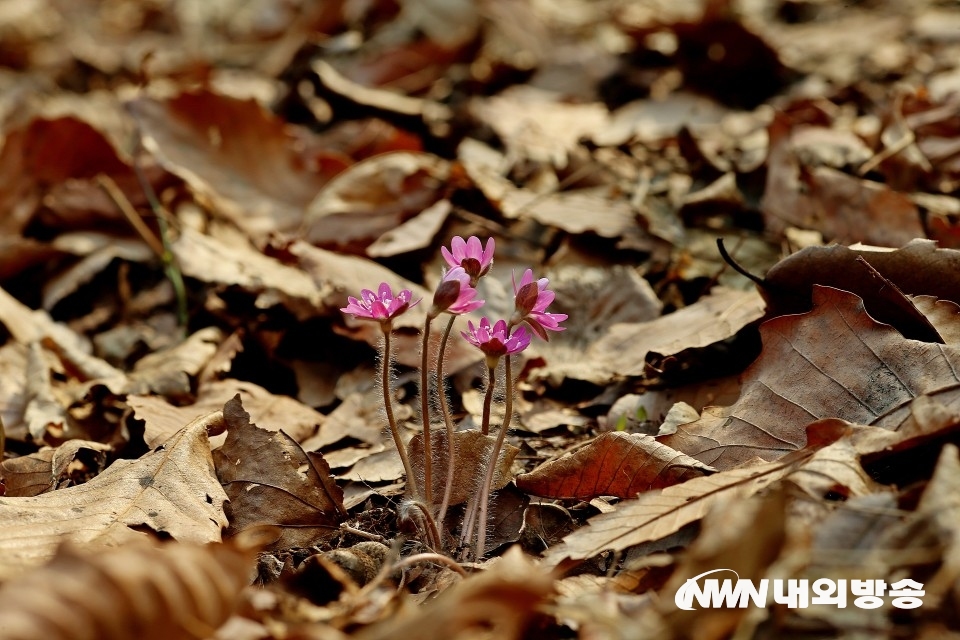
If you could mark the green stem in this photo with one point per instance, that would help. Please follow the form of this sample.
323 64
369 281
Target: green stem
447 421
391 420
425 413
494 456
170 267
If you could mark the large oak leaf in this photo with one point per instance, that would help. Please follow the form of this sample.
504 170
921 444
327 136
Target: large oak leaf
172 490
833 362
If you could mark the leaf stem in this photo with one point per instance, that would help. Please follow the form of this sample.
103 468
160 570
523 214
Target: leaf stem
494 456
425 413
447 421
385 362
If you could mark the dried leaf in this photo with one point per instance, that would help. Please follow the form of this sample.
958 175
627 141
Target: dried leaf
171 372
171 490
177 591
614 464
659 513
472 452
271 480
799 378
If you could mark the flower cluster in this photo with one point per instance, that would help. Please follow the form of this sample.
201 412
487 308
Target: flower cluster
467 262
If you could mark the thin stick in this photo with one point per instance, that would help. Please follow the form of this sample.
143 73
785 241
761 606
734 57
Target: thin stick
448 422
391 420
123 204
429 557
492 465
425 413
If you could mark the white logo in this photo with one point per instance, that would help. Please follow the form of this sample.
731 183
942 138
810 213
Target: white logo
795 593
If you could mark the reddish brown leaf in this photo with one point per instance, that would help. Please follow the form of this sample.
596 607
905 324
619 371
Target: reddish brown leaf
614 464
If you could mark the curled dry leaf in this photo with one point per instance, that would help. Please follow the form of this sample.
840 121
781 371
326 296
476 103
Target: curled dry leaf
177 591
170 372
271 480
50 468
864 373
171 490
274 283
944 315
657 514
918 268
614 464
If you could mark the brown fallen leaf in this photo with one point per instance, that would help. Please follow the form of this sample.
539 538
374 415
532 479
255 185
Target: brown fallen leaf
472 452
171 372
177 591
234 154
271 480
659 513
762 521
864 373
614 464
273 282
944 315
844 208
172 491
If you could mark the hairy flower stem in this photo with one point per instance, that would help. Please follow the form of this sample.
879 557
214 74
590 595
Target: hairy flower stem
494 457
470 518
425 413
391 420
448 422
430 525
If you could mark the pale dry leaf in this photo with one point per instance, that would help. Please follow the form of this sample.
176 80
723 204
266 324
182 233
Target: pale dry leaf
416 233
944 315
90 265
177 591
833 362
274 283
44 412
537 124
623 349
269 411
170 372
659 513
171 490
613 464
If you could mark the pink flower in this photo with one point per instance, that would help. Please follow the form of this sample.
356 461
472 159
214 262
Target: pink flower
382 306
454 294
495 342
531 300
469 254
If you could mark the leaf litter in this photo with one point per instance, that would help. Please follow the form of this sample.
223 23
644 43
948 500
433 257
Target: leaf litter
191 193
